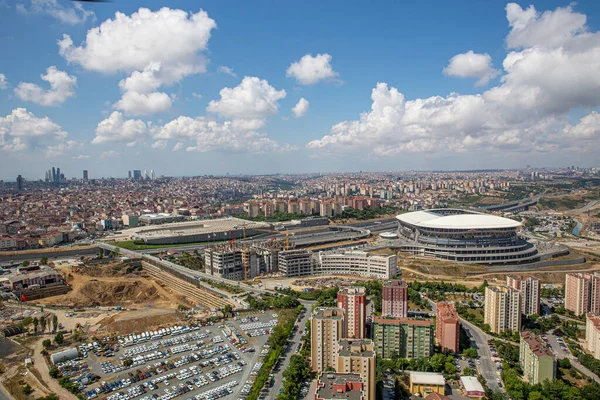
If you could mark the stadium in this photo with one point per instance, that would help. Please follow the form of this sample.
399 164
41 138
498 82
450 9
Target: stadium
464 236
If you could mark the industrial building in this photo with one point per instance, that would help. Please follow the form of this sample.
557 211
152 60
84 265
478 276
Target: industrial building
464 236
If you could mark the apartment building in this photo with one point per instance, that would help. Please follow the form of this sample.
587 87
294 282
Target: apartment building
326 329
447 328
295 262
536 358
357 356
332 386
502 310
592 335
395 299
353 300
403 337
529 287
582 293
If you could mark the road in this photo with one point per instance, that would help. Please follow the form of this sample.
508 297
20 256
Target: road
289 351
4 395
561 354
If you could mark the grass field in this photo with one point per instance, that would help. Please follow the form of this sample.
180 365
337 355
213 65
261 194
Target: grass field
135 245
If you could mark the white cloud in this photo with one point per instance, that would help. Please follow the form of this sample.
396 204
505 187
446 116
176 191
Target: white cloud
67 15
81 157
178 146
226 70
253 98
61 148
527 113
301 108
3 82
117 129
472 65
62 86
310 70
21 130
155 48
110 154
159 145
197 95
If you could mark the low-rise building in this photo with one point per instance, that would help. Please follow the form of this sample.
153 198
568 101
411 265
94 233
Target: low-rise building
425 383
333 386
536 358
473 388
356 262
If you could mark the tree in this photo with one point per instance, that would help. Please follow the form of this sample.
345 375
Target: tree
470 352
450 368
487 328
46 343
54 323
36 322
26 390
227 310
43 323
53 372
437 362
467 371
44 260
127 362
59 338
25 263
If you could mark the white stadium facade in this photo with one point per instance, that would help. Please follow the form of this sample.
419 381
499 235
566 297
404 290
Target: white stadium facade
464 236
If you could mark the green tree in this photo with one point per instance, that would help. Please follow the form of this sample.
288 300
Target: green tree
44 260
59 339
25 263
46 343
36 322
437 362
470 352
43 323
53 372
467 371
54 323
26 390
227 310
450 368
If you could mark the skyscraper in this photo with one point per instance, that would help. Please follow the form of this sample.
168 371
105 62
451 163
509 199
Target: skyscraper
129 174
19 182
57 175
395 299
502 310
152 174
353 301
53 175
326 329
529 287
85 175
137 174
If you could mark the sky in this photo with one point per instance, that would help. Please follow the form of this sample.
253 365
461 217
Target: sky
215 87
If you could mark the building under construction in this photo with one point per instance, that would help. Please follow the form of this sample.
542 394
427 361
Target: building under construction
240 261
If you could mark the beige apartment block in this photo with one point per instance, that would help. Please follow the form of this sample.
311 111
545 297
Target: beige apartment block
502 310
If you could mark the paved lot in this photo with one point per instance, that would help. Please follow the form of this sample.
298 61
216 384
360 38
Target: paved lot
184 365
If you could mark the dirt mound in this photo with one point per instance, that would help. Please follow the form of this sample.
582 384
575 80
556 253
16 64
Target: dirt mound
126 324
108 293
112 269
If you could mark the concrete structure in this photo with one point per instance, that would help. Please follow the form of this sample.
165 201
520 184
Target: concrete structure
403 337
326 329
332 386
502 309
425 383
68 354
160 218
592 335
295 262
447 327
353 300
582 293
357 356
529 287
473 388
356 262
130 221
536 358
464 236
394 299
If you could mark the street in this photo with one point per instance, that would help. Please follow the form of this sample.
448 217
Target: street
289 351
487 368
560 354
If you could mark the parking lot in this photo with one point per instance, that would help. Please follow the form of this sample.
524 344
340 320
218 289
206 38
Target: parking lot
186 362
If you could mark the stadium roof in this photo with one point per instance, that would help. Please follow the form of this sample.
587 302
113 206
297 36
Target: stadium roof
466 220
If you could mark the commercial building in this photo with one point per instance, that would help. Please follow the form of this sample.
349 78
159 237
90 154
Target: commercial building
357 356
333 386
356 262
353 300
473 388
592 335
160 218
502 309
536 358
529 287
447 328
85 174
403 337
464 236
582 293
130 221
394 299
295 262
326 329
426 383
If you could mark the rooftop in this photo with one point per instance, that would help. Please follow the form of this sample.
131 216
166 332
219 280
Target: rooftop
427 378
536 344
398 321
340 386
328 312
356 347
471 384
457 219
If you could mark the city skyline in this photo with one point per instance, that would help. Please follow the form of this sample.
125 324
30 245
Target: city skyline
230 95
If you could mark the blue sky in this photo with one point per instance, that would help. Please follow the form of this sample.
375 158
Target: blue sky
486 116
